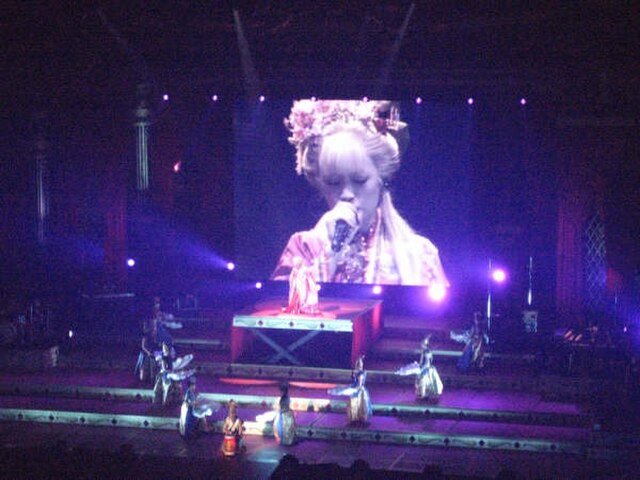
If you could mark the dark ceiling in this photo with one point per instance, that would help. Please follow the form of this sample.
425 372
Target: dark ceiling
63 49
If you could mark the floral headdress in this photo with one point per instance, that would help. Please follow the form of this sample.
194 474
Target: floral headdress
314 118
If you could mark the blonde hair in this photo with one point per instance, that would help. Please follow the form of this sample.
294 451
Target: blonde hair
381 149
384 147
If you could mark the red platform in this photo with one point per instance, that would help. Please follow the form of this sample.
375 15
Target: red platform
360 318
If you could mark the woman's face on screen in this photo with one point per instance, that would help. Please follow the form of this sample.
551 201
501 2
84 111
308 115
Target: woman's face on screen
347 174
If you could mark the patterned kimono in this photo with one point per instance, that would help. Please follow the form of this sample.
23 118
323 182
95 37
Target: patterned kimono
475 341
367 259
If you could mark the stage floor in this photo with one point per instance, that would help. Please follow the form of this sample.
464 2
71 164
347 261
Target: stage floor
99 380
263 455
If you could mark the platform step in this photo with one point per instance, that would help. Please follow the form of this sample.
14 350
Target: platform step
304 404
331 428
213 365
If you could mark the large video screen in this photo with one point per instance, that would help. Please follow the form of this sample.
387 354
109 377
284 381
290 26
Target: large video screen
360 191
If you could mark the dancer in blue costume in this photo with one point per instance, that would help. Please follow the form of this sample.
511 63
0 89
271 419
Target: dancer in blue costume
284 425
359 403
194 413
475 341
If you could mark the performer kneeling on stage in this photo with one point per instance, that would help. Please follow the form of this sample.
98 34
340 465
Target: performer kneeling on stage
359 403
232 428
428 383
193 413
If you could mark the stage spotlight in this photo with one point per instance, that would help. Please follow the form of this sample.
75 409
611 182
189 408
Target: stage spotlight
470 101
214 98
313 99
365 99
131 262
437 292
523 101
165 97
258 285
261 98
418 100
498 275
231 266
70 334
377 289
176 166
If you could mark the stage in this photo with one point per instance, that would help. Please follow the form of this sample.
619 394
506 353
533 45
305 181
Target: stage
514 415
351 326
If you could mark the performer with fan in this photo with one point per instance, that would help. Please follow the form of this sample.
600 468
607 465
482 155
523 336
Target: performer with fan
194 413
428 383
168 386
359 402
475 340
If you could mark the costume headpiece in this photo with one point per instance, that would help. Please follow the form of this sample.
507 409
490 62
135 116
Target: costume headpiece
310 119
359 366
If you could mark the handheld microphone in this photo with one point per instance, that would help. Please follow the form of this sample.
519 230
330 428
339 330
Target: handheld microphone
340 235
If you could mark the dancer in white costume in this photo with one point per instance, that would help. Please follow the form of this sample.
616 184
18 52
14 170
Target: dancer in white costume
428 383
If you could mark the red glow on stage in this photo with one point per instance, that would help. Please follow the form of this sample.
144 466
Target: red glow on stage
312 385
258 381
248 381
